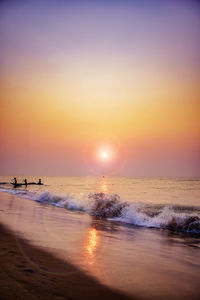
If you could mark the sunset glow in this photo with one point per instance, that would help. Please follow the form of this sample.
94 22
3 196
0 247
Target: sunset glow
70 81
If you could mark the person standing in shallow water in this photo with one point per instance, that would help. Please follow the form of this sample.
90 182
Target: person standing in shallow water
39 181
25 182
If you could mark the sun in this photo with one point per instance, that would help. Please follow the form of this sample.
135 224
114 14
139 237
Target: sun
105 154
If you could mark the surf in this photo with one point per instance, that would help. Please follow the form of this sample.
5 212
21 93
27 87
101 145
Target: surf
111 207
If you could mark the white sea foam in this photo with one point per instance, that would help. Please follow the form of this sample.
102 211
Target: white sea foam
63 201
167 218
20 193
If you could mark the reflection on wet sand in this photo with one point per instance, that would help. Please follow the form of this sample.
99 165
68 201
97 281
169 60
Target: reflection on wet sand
91 245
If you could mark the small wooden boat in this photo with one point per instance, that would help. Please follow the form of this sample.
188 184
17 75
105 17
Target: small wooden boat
17 184
22 184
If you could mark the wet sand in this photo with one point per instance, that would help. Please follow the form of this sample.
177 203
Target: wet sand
22 278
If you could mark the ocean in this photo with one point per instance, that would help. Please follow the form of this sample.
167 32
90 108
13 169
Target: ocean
137 235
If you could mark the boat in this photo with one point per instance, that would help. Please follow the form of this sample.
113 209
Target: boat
15 185
29 183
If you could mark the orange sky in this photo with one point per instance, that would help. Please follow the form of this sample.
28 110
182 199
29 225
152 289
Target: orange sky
69 86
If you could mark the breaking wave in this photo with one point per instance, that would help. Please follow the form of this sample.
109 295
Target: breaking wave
106 205
109 206
167 218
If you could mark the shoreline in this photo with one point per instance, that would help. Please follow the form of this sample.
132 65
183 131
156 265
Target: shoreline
32 276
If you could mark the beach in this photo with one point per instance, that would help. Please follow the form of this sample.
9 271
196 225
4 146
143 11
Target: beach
53 247
21 279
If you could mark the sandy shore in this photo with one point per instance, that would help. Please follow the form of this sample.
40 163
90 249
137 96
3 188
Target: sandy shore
29 278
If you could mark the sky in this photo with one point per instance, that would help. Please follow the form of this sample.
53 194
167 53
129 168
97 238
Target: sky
83 78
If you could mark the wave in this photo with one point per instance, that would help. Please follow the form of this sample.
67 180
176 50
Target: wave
20 193
67 201
110 206
106 205
167 218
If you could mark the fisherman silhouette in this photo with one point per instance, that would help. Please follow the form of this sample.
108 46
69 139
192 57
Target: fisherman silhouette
14 181
39 181
25 182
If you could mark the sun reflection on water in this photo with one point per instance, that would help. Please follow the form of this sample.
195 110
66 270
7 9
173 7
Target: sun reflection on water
103 186
92 241
91 244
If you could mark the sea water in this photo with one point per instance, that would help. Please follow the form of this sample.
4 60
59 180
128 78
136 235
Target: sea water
138 235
